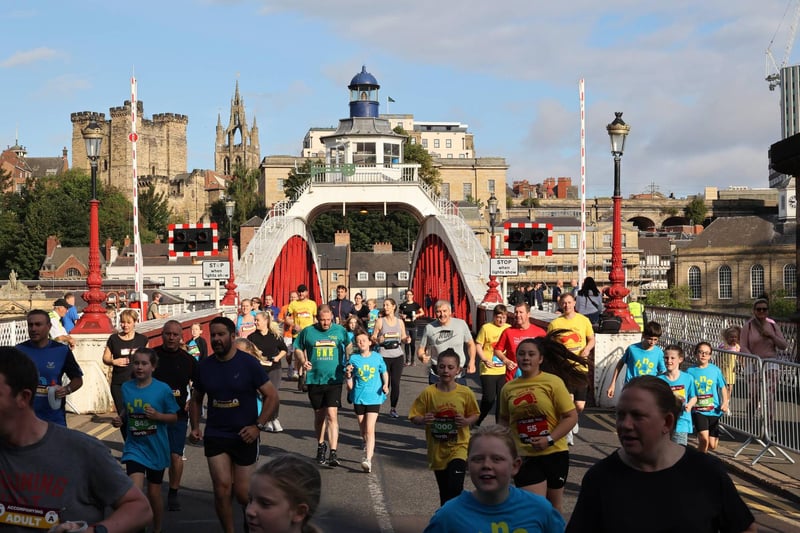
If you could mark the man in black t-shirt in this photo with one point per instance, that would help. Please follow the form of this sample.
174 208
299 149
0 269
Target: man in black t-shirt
175 368
410 311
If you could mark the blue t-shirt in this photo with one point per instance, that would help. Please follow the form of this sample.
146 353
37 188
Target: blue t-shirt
641 362
708 381
522 511
372 317
325 350
70 318
683 387
147 442
367 381
232 389
53 361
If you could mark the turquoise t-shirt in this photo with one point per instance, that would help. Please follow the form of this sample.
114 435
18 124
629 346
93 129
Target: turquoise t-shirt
147 442
367 382
326 351
708 381
640 362
684 388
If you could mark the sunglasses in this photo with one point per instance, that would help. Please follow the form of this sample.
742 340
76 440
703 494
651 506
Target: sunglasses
761 308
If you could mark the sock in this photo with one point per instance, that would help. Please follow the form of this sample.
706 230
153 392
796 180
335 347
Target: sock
172 491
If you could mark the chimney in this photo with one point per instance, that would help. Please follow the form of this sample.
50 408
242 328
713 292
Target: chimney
382 248
108 250
342 238
64 160
52 244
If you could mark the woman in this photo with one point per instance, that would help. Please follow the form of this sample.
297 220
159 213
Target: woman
492 368
630 490
712 398
540 410
246 322
273 350
760 335
389 334
589 301
360 308
120 348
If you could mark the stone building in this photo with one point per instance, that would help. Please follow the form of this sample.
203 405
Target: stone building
161 146
15 161
236 145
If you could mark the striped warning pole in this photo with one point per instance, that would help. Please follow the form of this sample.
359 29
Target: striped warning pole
582 249
137 244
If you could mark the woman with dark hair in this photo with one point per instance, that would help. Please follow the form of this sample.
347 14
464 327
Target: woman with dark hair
390 335
626 491
360 308
589 301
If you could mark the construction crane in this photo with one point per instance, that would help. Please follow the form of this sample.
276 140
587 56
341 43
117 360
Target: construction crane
773 76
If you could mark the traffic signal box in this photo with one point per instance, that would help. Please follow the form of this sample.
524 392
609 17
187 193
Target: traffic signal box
193 240
527 238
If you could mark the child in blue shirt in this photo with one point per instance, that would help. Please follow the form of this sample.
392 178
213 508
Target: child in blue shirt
644 358
682 384
367 380
712 398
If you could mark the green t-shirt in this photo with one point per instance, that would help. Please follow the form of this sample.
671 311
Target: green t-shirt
325 350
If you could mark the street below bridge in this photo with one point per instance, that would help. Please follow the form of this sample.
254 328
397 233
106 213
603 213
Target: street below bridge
400 494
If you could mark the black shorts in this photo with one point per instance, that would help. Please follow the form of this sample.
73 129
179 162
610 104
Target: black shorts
361 409
579 394
706 423
552 468
325 395
155 477
241 453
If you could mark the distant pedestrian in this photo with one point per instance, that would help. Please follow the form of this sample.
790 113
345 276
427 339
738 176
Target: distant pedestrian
71 318
557 290
589 301
154 309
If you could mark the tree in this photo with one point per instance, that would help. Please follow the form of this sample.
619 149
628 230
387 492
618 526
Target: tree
674 297
530 202
696 210
298 177
397 227
243 189
154 214
416 153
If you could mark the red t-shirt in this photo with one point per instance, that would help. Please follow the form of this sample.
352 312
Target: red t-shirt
510 339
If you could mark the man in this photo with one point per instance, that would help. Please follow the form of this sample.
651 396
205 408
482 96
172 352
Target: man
557 290
579 339
57 331
288 336
538 295
54 361
74 475
636 309
506 346
321 349
269 306
443 333
341 307
232 380
517 296
410 311
72 316
299 315
175 368
154 310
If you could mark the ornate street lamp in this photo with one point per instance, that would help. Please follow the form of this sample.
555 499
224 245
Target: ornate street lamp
230 293
94 318
492 295
618 132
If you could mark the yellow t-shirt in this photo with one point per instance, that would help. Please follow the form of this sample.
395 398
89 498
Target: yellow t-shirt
486 339
445 441
579 331
303 313
533 407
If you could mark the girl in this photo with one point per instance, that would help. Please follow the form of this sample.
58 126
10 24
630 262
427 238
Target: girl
727 361
682 384
389 334
351 325
540 411
492 460
368 380
493 370
712 398
284 494
197 346
267 339
150 405
372 315
246 322
447 410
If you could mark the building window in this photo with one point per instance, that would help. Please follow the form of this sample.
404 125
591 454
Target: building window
695 283
436 143
176 281
193 281
380 276
413 140
280 182
551 269
162 280
363 276
606 239
445 191
490 184
425 143
381 294
725 283
334 276
449 156
566 269
448 143
790 281
467 191
403 275
73 273
364 154
756 281
560 240
391 154
462 156
573 241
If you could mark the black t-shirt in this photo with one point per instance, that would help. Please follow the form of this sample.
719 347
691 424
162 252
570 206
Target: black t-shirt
269 344
121 348
363 313
410 310
176 370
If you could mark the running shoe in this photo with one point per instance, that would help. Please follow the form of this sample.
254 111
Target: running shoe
332 459
270 427
322 451
172 502
276 426
576 429
393 413
570 439
366 466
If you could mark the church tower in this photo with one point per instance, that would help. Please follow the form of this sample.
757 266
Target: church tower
236 145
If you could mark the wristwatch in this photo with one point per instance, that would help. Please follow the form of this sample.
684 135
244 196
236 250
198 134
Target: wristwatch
100 528
550 441
261 427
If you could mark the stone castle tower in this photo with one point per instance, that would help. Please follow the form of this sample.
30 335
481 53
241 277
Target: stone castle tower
161 148
236 145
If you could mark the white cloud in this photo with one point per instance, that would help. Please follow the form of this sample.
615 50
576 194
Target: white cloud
28 57
62 88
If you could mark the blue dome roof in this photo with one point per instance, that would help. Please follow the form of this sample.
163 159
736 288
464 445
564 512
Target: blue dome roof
363 78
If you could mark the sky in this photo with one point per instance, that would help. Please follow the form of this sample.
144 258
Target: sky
688 76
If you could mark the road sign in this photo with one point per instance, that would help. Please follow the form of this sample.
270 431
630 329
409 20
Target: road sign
216 270
501 266
133 137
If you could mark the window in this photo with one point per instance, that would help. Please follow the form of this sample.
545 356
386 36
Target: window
280 183
756 281
334 276
364 154
462 156
436 143
448 143
725 283
445 191
162 280
381 294
790 281
363 276
566 269
403 275
176 281
560 240
551 269
391 154
573 241
467 191
193 281
695 283
380 276
425 143
606 239
73 273
449 156
489 183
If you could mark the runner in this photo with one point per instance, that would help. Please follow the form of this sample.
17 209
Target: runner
682 384
493 371
410 311
447 332
505 348
390 335
644 358
712 398
299 315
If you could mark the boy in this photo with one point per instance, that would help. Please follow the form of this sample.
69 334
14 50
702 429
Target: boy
644 358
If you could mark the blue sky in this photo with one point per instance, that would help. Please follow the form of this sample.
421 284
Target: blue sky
688 75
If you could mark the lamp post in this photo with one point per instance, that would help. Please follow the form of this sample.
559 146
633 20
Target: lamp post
230 292
618 131
94 318
492 295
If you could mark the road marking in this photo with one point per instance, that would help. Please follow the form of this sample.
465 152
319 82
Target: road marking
600 419
107 432
761 497
96 429
379 504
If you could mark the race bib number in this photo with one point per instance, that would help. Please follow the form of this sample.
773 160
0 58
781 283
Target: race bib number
27 516
528 428
705 402
444 428
141 426
226 404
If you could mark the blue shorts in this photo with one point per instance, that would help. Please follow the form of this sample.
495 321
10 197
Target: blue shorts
177 436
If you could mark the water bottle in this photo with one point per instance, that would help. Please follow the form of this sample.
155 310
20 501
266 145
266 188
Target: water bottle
55 403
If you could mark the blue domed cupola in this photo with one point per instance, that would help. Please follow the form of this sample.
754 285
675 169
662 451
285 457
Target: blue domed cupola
364 95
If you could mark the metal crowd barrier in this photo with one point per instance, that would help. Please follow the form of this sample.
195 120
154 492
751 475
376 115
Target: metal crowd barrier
780 397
